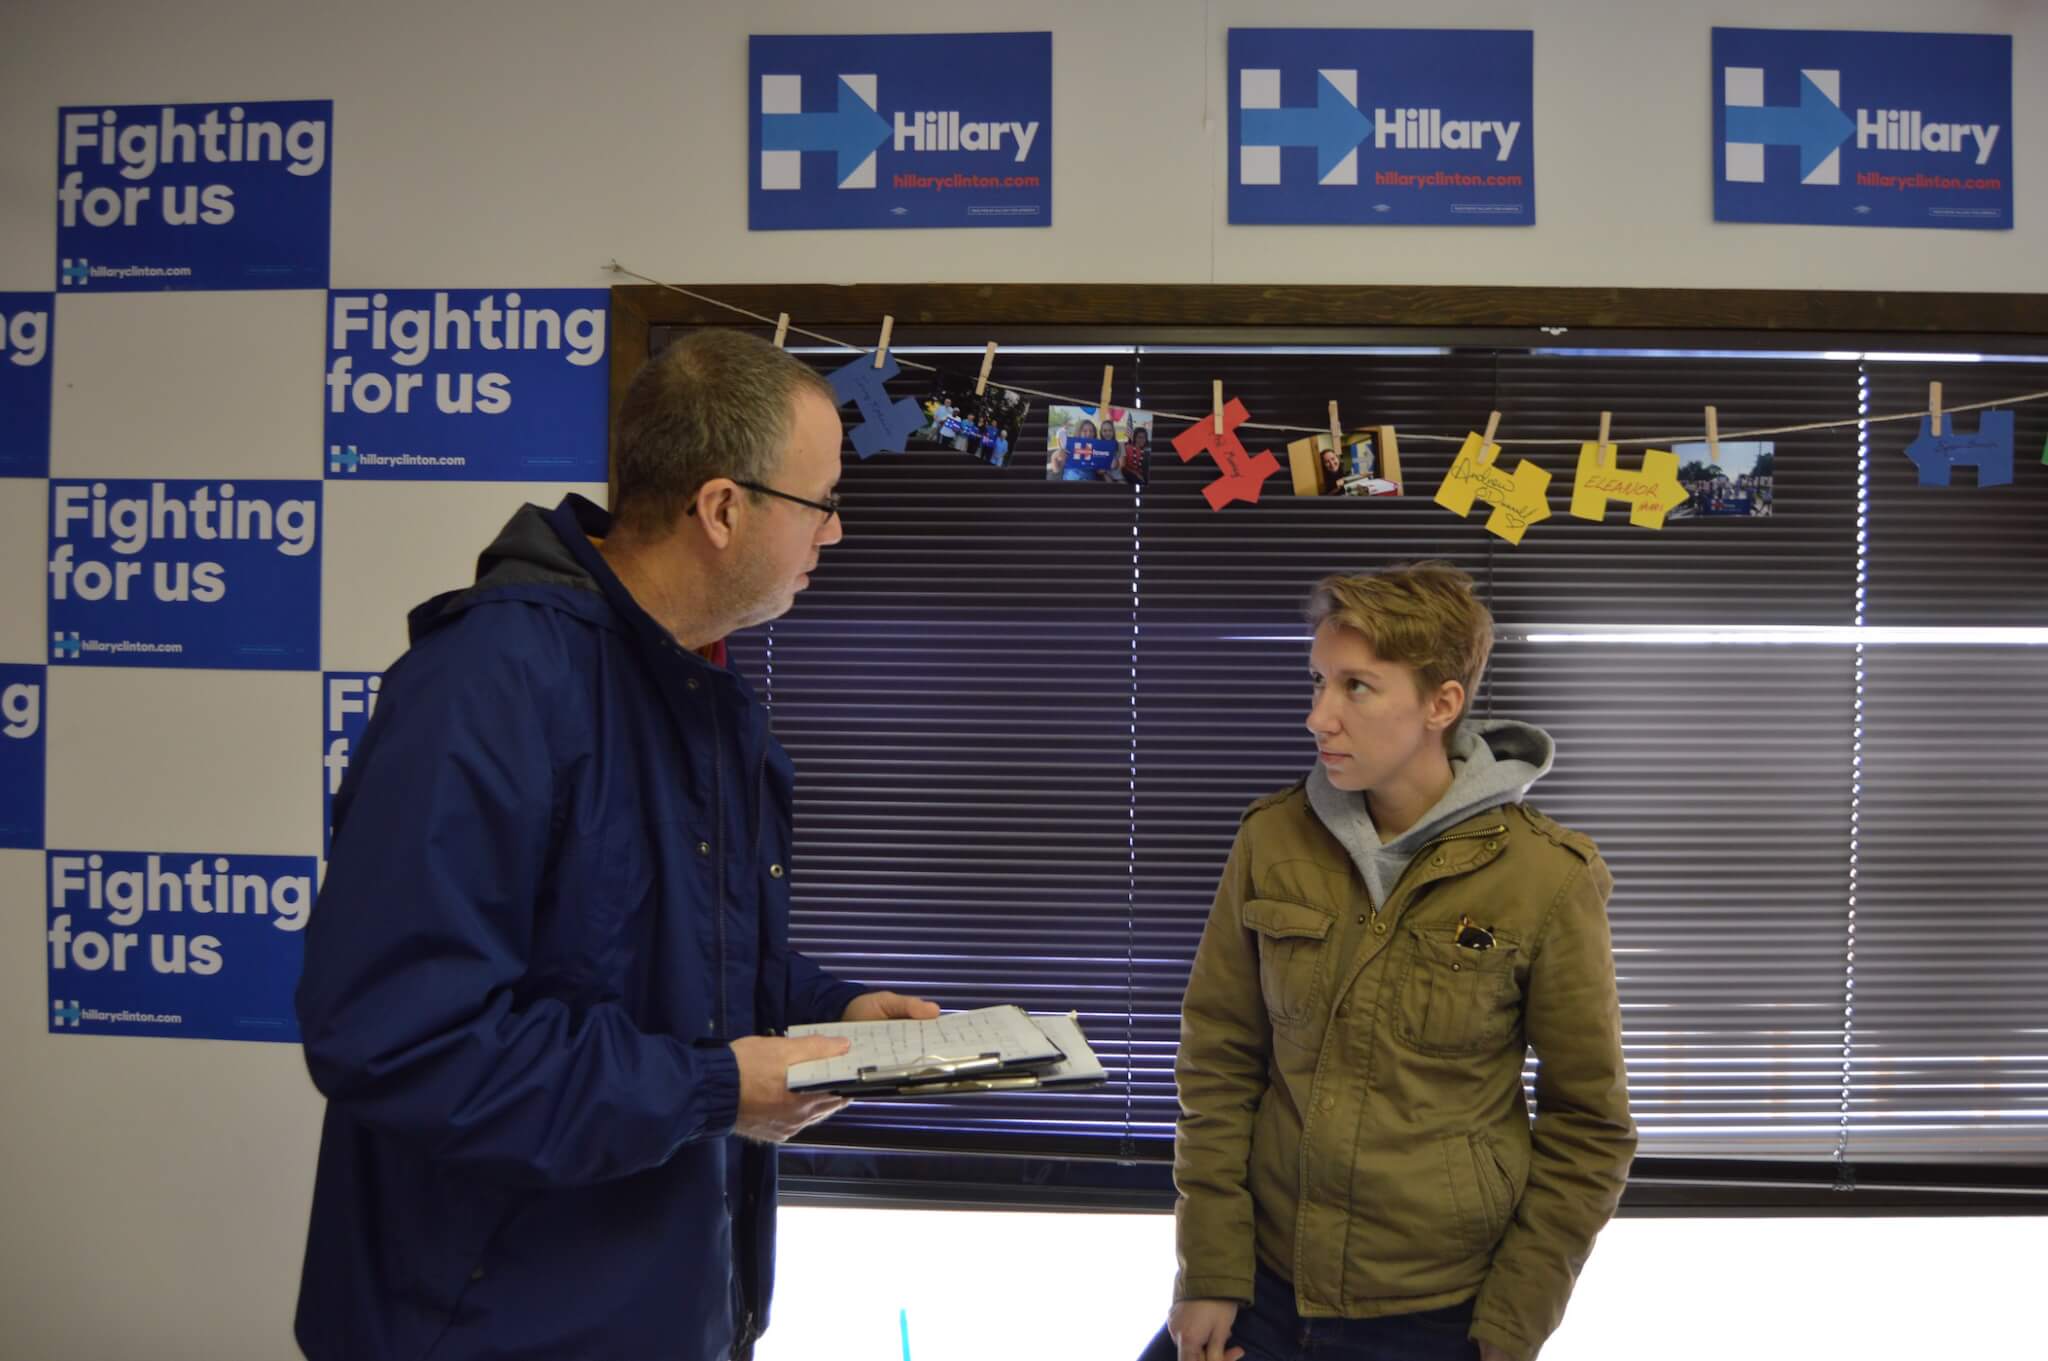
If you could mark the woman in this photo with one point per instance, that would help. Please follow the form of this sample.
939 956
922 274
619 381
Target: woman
1358 1173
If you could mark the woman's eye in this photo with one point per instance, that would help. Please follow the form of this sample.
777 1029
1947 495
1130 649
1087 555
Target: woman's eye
1360 688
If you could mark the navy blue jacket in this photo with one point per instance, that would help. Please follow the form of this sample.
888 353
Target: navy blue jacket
557 890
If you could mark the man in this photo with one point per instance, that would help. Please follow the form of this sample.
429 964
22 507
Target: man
553 942
1358 1173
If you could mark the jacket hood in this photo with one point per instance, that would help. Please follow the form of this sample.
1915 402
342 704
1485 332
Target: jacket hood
529 552
1493 762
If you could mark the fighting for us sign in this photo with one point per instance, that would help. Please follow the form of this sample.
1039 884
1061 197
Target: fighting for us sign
1863 129
193 196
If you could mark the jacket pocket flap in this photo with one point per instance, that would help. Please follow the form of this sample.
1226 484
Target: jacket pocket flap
1439 944
1286 921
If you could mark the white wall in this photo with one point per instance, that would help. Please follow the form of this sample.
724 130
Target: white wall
153 1193
477 144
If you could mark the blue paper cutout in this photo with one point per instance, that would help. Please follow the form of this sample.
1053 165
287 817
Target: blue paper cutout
1988 449
886 426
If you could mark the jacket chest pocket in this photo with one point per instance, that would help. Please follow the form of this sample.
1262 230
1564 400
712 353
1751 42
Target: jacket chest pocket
1293 943
1454 1000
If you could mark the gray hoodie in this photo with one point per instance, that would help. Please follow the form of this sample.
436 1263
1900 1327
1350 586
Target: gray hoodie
1493 762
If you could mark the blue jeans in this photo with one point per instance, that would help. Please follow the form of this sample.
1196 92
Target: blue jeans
1270 1330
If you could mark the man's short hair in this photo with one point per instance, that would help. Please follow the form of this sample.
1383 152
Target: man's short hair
1424 616
714 404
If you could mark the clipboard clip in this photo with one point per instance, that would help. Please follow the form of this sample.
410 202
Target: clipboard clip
928 1066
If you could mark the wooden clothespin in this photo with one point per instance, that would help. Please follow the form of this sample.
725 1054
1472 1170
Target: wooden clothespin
781 329
1102 407
1492 424
1934 407
1216 403
1604 457
1336 431
1713 436
882 345
988 359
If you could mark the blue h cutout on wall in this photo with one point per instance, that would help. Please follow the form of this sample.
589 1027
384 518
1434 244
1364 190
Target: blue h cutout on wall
1988 449
885 425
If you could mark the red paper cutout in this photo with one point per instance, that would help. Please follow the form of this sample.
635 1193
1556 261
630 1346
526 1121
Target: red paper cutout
1243 474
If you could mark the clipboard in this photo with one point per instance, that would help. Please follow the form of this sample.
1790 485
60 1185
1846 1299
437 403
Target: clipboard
1005 1050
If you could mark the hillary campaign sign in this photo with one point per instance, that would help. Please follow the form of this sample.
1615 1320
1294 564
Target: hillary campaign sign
22 758
348 698
899 130
25 384
481 385
177 945
185 574
1394 127
1863 129
193 196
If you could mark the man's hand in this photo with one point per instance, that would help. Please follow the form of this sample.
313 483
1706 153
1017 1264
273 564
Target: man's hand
1201 1329
769 1111
1489 1352
890 1006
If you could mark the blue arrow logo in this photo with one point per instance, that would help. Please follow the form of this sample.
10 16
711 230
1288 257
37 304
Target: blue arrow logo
1816 125
1334 127
853 130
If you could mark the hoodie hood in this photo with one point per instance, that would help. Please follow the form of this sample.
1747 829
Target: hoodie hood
528 552
1493 762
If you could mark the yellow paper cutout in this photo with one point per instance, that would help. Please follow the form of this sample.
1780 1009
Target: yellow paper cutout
1651 491
1518 501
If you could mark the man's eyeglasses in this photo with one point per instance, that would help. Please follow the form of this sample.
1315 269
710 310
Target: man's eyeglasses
830 505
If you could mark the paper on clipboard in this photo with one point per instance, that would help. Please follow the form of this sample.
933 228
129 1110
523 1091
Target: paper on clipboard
959 1044
1078 1064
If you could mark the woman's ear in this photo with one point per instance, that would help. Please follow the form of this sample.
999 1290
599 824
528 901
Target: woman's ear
1445 705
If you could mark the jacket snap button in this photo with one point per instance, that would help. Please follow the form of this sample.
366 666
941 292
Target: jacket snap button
1379 928
1329 1103
775 871
1361 919
1491 845
1456 967
703 848
1437 861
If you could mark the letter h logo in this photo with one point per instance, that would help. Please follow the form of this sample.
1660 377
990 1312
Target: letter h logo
852 131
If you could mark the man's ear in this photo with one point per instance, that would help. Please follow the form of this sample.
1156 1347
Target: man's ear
1445 706
717 510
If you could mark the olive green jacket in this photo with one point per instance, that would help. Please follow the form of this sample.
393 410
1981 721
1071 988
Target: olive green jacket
1351 1096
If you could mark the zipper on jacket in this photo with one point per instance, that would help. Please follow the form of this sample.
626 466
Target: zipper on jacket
718 870
1497 830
